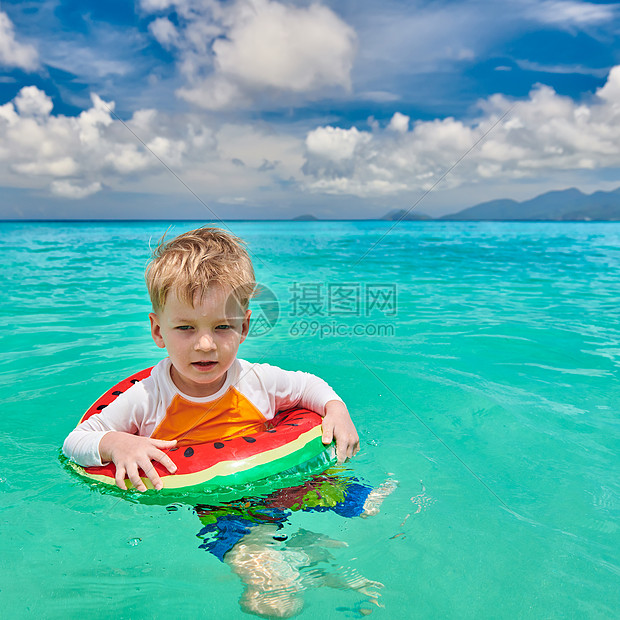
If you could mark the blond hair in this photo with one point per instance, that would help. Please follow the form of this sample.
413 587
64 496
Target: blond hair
195 260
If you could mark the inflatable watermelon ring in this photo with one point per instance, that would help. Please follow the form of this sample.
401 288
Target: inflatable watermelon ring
292 440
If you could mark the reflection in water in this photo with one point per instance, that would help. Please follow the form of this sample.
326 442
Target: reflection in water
276 568
275 573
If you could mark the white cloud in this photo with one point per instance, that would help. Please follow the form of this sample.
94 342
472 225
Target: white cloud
543 134
128 158
528 65
215 94
59 167
399 122
286 48
91 60
571 13
464 54
75 157
37 144
31 101
66 189
232 54
164 31
13 53
153 6
610 92
378 96
335 144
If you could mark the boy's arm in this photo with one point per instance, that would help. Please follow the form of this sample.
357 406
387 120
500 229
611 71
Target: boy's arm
290 389
337 425
112 435
126 414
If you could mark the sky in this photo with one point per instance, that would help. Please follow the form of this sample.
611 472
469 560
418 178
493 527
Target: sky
265 109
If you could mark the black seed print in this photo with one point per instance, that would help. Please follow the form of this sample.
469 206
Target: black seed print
188 452
249 439
218 445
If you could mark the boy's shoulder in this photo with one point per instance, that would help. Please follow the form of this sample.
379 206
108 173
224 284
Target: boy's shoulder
259 371
259 367
157 382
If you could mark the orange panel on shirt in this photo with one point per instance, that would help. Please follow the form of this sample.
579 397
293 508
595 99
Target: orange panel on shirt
232 415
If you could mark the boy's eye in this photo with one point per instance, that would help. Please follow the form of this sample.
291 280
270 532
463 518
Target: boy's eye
223 327
184 327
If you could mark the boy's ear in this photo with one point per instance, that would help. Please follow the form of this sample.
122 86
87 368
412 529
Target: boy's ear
156 331
245 326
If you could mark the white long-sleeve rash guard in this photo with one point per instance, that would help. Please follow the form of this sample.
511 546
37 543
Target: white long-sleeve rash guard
154 407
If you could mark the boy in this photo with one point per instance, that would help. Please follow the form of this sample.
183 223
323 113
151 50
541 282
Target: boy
200 286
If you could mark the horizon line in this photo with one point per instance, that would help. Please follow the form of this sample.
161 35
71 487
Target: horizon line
296 221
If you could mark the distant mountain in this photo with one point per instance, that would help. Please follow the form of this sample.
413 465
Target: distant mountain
305 218
412 216
563 205
556 206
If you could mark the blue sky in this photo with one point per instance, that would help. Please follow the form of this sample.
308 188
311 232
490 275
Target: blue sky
269 109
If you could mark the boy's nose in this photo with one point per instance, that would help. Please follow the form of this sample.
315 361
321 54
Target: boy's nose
205 343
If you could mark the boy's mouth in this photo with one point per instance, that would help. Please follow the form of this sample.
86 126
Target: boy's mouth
204 365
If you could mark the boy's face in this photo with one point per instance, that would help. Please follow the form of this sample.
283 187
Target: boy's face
202 341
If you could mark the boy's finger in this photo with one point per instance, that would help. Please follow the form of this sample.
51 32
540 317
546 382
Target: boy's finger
355 447
151 473
328 434
163 443
166 461
135 479
119 478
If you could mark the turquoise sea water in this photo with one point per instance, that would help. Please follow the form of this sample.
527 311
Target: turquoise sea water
479 361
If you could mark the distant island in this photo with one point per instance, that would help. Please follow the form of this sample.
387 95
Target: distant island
305 218
569 205
402 215
559 206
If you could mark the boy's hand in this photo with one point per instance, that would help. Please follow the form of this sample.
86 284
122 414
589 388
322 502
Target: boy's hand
132 452
337 424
